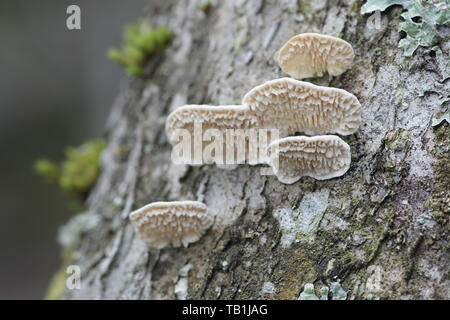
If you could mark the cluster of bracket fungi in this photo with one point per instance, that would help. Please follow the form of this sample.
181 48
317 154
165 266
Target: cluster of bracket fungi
287 105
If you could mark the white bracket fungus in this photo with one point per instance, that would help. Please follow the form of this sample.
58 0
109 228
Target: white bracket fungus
203 134
286 104
319 157
310 54
282 106
296 106
161 224
211 117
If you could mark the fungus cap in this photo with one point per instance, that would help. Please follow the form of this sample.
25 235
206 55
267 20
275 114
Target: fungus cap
202 134
319 157
161 224
309 54
211 117
297 106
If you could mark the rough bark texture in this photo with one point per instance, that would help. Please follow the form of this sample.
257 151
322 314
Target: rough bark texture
381 229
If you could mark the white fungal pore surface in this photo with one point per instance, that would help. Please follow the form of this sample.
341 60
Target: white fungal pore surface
229 135
319 157
311 54
286 104
296 106
161 224
211 117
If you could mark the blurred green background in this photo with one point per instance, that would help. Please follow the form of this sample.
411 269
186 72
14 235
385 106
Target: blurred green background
56 90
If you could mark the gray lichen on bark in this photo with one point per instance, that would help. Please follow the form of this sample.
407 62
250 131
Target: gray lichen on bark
383 226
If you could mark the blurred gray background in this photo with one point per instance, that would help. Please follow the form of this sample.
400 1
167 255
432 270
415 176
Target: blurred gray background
56 89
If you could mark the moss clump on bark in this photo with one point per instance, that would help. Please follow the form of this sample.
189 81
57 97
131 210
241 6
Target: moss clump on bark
58 283
441 199
141 42
77 173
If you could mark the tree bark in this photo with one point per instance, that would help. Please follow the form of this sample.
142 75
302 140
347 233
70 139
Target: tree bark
381 230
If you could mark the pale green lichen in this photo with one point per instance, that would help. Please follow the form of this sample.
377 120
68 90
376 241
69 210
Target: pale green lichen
444 69
69 234
381 5
444 117
308 293
324 293
443 100
443 63
141 42
337 292
302 223
268 288
424 90
421 20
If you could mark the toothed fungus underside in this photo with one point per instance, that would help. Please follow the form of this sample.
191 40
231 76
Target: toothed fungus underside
161 224
203 134
319 157
297 106
311 54
211 117
286 104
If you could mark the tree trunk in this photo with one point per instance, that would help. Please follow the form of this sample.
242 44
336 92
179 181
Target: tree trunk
381 230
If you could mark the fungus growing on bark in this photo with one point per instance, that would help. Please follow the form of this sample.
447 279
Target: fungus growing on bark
161 224
319 157
296 106
203 134
285 104
310 54
211 117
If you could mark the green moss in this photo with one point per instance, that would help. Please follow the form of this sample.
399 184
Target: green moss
58 283
47 169
294 269
356 6
395 146
304 7
440 198
204 5
140 43
80 169
78 172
